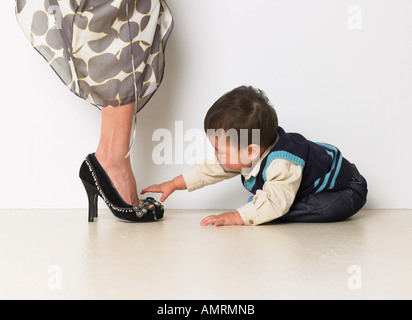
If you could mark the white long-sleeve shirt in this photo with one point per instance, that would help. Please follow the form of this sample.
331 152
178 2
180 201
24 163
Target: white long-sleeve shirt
271 202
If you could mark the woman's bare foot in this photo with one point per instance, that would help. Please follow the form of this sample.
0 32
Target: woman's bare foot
120 173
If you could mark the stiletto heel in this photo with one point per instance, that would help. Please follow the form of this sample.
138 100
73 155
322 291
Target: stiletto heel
92 195
97 183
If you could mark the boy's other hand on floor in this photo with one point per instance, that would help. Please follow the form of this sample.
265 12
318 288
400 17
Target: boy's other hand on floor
224 219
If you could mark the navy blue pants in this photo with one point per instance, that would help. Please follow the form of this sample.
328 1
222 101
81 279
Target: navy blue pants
330 206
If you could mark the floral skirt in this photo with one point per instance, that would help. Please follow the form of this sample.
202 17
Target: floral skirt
108 52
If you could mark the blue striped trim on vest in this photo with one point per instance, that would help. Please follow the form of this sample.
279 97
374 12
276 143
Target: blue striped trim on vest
249 184
329 179
283 155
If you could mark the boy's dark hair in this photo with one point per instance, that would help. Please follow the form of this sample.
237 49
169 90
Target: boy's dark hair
244 108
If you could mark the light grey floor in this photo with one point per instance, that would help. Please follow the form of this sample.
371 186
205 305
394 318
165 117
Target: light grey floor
57 254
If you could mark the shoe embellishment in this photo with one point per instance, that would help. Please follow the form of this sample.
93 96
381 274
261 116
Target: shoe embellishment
147 205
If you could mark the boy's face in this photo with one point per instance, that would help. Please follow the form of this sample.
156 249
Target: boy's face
233 157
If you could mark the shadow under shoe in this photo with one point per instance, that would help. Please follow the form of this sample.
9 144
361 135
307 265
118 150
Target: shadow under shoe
97 183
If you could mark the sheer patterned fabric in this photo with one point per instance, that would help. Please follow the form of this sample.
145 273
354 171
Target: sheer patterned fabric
108 52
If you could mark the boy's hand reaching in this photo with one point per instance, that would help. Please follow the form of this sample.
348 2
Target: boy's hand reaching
166 188
224 219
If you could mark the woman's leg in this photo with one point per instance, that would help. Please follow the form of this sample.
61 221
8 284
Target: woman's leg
116 126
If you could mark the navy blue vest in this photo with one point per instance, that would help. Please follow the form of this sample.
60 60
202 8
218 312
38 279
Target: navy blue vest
323 167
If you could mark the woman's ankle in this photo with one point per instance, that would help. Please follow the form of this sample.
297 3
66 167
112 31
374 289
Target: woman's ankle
112 159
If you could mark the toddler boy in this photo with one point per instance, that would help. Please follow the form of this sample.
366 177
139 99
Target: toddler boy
291 178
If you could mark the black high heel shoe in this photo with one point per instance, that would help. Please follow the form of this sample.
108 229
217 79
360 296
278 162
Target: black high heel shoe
97 183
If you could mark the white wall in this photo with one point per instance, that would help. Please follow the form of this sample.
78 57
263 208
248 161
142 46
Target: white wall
328 81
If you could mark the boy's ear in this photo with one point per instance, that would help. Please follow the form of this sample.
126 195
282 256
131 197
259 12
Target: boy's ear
253 151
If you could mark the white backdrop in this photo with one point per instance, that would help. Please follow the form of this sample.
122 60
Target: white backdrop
336 71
